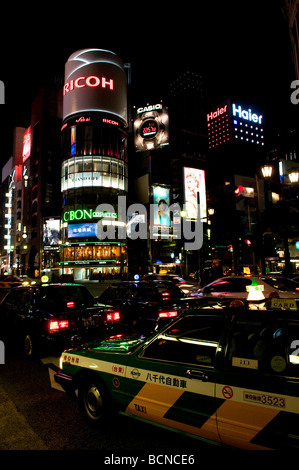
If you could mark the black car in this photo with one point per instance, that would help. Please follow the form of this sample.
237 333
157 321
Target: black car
138 305
48 316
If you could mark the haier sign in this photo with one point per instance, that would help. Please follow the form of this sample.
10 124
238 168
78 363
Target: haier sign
246 114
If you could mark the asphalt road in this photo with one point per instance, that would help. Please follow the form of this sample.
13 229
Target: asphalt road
35 414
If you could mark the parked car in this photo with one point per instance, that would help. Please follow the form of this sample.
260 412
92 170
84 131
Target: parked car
222 375
6 286
137 305
235 286
177 280
47 316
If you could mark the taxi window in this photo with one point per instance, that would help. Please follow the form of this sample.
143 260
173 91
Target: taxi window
270 347
191 340
18 300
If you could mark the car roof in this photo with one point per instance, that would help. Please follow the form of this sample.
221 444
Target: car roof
245 313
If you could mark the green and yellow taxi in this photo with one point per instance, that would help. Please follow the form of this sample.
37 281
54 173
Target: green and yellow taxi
226 375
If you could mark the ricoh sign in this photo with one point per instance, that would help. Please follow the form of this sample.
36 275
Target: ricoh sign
95 80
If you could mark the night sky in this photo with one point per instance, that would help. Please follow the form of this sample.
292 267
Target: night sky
242 49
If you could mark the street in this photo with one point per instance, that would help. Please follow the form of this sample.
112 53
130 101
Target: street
35 414
58 424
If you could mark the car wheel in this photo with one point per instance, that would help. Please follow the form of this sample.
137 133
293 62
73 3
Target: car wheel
93 401
29 344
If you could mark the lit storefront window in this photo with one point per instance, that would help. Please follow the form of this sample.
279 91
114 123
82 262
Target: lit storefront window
94 171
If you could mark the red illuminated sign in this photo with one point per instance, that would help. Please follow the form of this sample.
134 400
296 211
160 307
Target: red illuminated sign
110 121
26 144
91 81
149 129
216 113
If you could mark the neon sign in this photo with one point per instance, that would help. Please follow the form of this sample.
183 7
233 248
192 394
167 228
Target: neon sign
216 113
91 81
246 114
26 144
149 129
152 107
110 121
83 214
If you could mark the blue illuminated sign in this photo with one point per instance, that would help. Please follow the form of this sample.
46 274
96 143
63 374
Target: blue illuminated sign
82 230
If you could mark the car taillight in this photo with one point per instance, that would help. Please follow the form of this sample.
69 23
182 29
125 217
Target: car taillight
297 289
168 314
114 316
55 325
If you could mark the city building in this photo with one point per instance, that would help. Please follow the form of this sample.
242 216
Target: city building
291 13
94 168
168 177
11 242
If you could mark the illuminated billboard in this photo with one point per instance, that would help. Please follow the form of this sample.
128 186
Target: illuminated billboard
161 197
26 144
82 230
195 193
51 233
232 122
151 127
95 80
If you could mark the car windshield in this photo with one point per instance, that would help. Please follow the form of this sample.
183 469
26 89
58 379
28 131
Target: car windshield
59 298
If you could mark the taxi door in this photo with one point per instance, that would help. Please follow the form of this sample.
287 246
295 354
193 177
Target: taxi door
259 384
172 380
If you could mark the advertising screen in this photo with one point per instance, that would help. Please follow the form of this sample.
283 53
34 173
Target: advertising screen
234 123
195 193
161 197
151 127
51 232
26 144
82 230
95 80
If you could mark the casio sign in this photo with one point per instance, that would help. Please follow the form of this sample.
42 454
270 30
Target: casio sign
149 108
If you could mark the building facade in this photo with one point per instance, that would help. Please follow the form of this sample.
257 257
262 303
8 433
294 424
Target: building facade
94 168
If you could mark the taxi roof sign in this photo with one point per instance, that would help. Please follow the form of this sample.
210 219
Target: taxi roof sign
288 304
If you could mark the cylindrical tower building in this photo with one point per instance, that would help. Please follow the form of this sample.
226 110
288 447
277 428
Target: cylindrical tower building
94 168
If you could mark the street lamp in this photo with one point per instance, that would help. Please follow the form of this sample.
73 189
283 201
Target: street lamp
267 171
294 176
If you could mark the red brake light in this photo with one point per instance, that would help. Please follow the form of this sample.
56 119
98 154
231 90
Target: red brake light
114 316
55 325
168 314
70 304
165 295
297 288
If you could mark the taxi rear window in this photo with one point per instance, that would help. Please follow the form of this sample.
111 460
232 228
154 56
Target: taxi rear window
270 346
191 340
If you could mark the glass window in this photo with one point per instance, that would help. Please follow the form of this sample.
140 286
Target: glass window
266 345
191 340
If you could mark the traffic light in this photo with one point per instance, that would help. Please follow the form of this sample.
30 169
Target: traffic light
238 190
247 241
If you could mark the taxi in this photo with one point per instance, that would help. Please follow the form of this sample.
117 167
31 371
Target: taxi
225 375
